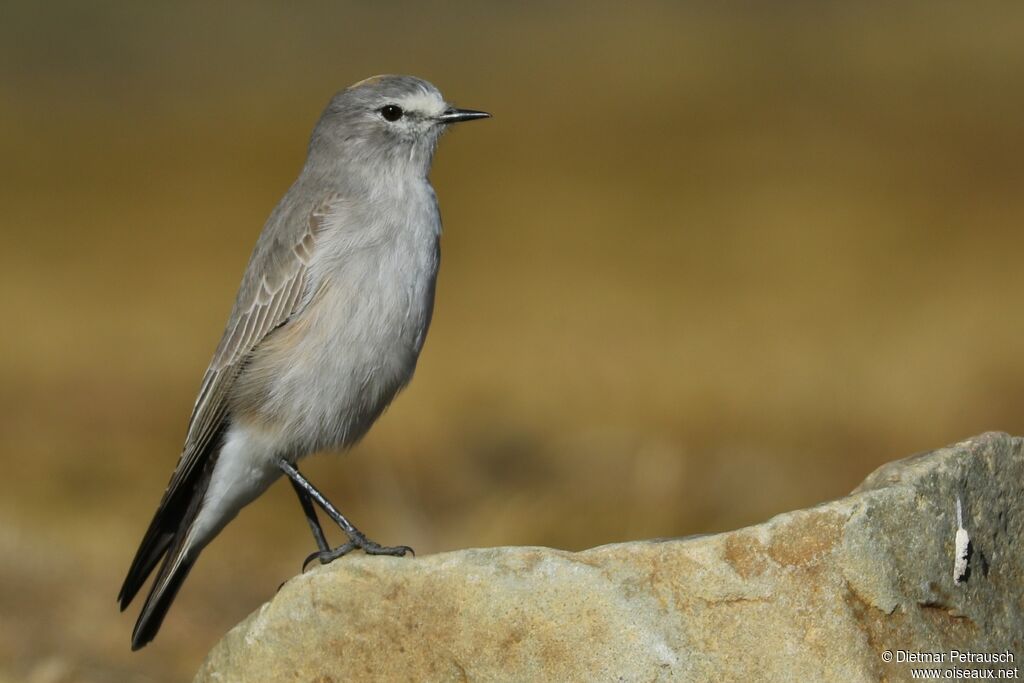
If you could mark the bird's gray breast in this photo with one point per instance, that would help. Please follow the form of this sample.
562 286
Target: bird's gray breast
357 342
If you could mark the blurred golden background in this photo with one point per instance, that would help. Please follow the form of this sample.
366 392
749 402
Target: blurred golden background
708 262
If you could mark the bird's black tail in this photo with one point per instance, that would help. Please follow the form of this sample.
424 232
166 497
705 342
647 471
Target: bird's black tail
165 588
153 547
166 538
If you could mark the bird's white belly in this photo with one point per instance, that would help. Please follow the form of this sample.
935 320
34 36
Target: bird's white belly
363 351
324 380
335 368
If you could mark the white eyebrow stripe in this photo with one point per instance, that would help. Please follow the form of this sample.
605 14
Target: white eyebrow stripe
423 103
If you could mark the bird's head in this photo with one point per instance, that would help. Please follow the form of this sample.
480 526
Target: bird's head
394 121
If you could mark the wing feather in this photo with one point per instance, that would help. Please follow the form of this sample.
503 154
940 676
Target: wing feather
272 292
273 295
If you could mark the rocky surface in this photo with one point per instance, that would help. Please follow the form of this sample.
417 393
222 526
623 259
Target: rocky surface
812 595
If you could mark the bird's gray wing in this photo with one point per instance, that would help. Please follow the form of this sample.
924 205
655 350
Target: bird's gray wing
274 288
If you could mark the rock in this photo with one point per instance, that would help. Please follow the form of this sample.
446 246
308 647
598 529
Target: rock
812 595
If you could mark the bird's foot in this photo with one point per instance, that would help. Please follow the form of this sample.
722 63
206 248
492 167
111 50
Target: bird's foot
328 556
362 543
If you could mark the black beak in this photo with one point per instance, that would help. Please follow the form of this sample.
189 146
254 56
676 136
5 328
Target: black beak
453 115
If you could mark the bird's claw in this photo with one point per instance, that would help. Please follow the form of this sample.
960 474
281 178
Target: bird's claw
328 556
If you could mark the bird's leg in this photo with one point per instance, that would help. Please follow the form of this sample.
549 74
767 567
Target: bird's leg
309 494
314 524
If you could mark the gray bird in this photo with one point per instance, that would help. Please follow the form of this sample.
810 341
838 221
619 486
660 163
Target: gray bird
327 326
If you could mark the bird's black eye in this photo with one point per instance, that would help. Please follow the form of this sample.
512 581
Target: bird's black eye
391 112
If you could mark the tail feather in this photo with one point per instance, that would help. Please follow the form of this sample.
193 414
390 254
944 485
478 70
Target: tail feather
172 574
166 538
154 546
